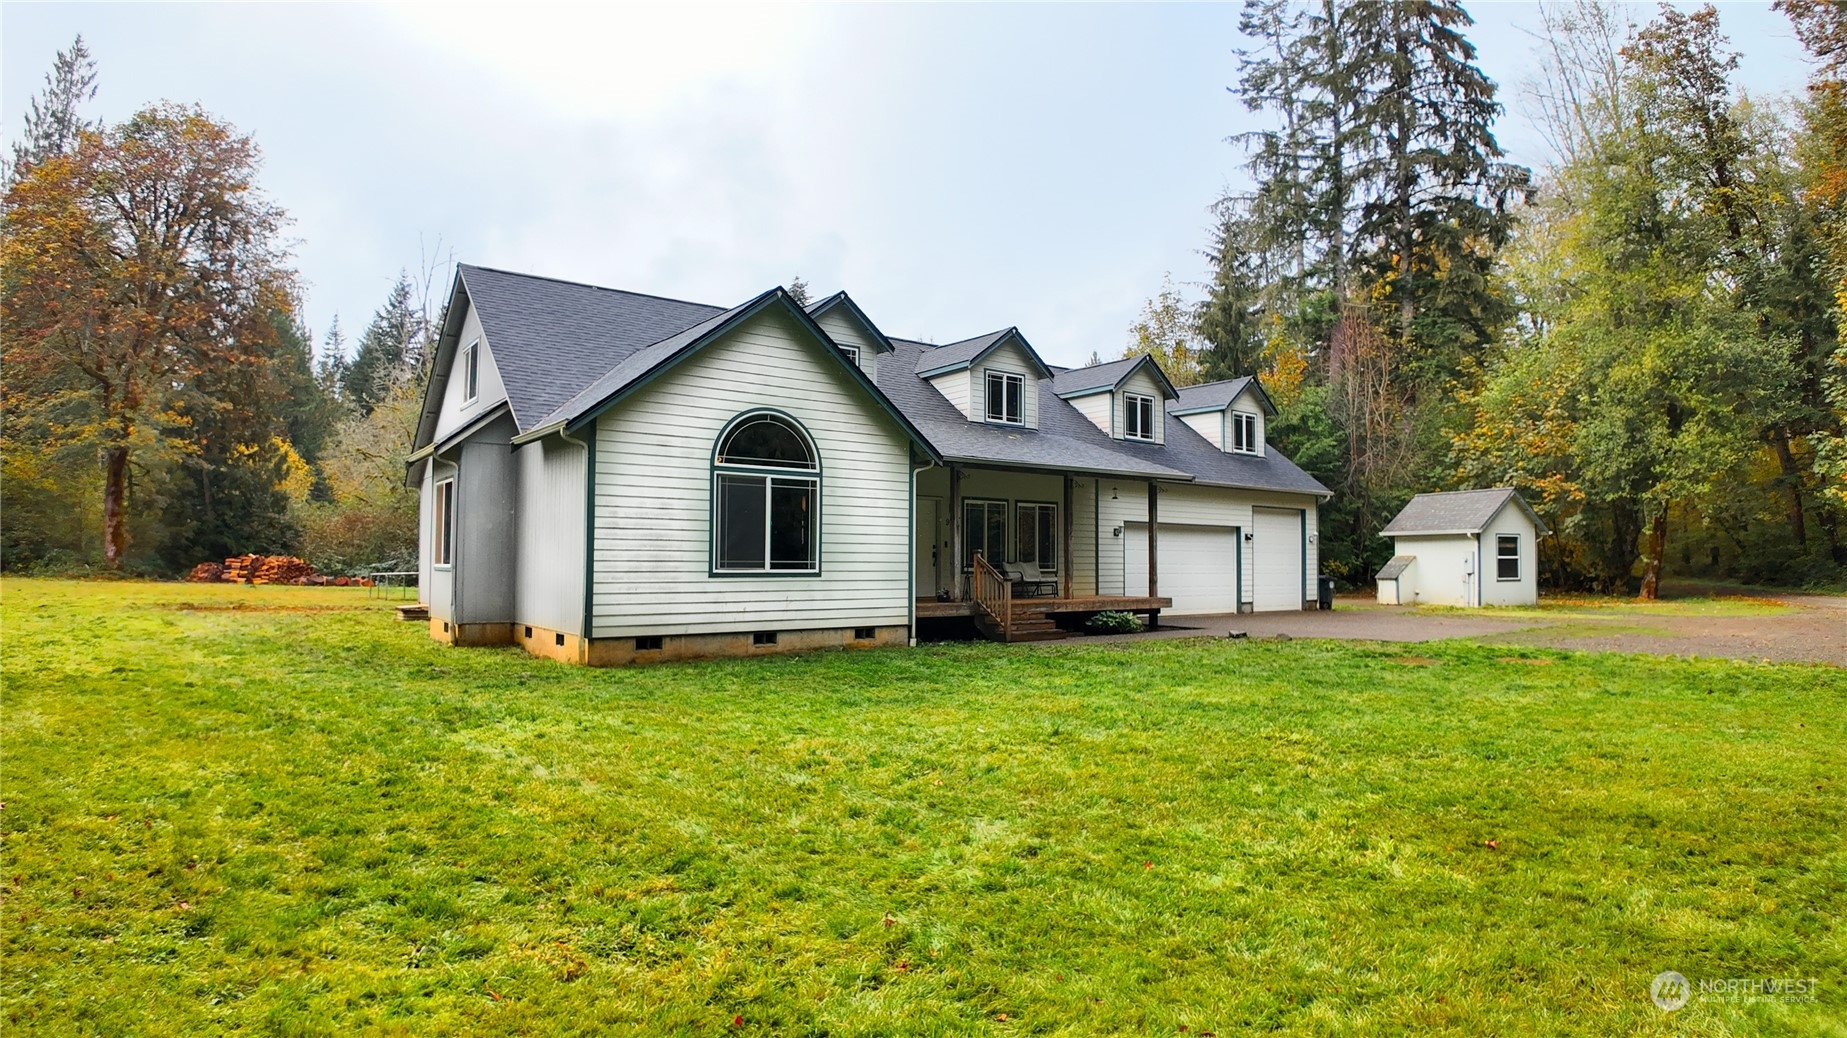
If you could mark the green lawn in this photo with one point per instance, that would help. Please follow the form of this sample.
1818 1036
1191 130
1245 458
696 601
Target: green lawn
278 811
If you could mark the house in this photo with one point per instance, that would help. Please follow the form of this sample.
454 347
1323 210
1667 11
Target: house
610 476
1439 541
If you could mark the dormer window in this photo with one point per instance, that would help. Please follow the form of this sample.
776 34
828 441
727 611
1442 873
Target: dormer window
1006 398
852 353
1138 416
471 371
1244 432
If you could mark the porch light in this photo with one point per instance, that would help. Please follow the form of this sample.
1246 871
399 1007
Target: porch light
1117 532
1112 497
1249 537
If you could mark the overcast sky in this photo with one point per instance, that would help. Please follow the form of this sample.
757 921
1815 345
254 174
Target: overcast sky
957 168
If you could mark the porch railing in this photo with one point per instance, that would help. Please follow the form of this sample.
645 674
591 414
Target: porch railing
993 592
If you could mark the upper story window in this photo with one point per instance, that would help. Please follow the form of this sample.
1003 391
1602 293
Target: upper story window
766 498
1507 556
1006 398
471 371
852 353
1138 416
1244 432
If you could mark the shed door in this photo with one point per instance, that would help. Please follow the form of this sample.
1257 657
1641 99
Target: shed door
1199 566
1277 583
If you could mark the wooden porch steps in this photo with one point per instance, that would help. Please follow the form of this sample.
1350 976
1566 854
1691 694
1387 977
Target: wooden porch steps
415 612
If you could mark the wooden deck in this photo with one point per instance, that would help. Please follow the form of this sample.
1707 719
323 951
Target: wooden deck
1032 617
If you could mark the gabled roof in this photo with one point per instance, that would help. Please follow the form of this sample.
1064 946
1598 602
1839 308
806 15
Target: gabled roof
840 300
1187 449
959 356
1456 512
1097 378
1217 396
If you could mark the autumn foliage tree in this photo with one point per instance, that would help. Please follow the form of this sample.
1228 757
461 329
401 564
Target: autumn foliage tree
139 270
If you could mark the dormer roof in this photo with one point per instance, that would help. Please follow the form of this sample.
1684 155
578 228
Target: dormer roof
960 356
845 304
1098 378
1217 396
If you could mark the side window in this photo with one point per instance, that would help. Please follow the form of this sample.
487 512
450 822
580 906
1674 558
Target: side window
1507 556
443 524
471 371
1006 398
1244 432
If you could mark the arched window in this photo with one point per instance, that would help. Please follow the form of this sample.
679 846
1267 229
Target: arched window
766 497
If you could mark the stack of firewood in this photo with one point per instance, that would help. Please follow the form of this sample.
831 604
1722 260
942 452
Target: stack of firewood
206 573
281 569
269 569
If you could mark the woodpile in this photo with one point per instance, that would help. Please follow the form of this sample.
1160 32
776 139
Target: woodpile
269 569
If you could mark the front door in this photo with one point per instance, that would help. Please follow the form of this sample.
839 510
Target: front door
927 545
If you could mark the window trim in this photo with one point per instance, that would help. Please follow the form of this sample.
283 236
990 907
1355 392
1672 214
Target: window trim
471 372
1019 529
1129 402
1006 378
1500 557
1006 537
852 352
442 525
771 475
1253 442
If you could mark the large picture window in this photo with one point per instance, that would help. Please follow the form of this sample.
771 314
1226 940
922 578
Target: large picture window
1006 398
443 524
1036 526
1507 556
766 498
1138 416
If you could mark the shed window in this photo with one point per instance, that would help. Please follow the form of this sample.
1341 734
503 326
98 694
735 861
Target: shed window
1138 417
765 521
443 526
1006 398
471 371
1507 556
1244 432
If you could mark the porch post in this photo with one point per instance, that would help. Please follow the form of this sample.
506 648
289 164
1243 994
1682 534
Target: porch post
955 519
1154 549
1064 545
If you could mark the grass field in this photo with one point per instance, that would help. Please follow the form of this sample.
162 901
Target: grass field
278 811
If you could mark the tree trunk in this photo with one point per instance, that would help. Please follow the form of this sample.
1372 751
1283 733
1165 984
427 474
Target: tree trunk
115 511
1657 549
1792 482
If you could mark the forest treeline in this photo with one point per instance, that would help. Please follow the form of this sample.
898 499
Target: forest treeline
1643 334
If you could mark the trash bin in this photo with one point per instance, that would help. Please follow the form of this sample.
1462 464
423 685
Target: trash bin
1326 585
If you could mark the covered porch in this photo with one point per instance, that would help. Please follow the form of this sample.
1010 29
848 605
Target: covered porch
1017 550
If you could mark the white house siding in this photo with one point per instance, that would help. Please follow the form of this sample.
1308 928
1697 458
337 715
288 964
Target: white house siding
1210 424
954 387
548 583
436 583
456 413
1085 541
846 331
1445 571
1188 505
653 492
486 493
1498 592
1249 402
1097 408
1141 383
1015 488
1012 359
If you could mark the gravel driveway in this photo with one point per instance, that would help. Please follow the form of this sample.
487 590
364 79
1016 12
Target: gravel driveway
1813 629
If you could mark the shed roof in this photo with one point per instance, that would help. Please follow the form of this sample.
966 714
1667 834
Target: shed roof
1395 568
1456 512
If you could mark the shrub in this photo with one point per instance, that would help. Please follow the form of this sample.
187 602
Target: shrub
1113 623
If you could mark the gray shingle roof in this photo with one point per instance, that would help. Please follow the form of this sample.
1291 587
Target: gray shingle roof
551 339
1395 568
1455 511
1067 382
1213 396
638 364
934 359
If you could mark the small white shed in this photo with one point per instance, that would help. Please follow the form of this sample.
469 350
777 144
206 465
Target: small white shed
1463 548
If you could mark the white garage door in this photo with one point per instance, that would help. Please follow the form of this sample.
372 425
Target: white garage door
1199 566
1277 559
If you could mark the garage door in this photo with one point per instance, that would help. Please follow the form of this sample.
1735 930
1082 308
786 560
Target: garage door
1199 566
1277 582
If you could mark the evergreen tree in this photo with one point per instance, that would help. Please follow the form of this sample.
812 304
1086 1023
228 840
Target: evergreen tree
388 350
53 121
